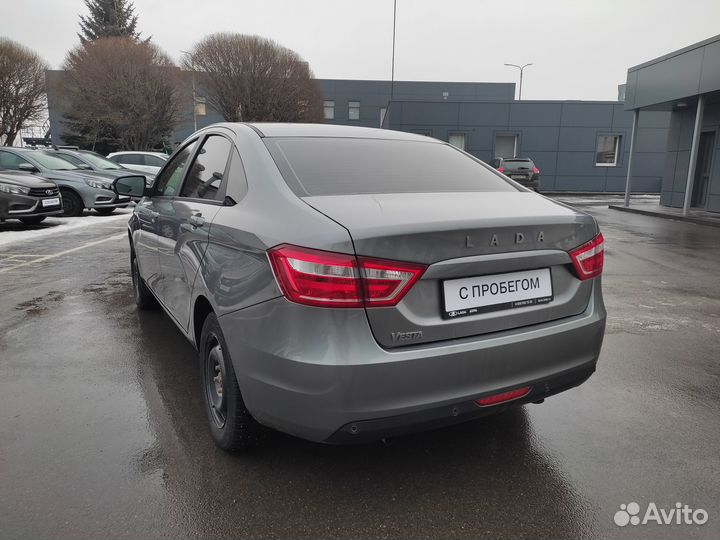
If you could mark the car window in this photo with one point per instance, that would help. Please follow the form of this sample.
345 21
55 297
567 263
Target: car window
129 159
518 164
346 166
10 161
153 161
168 181
206 174
237 185
101 162
72 159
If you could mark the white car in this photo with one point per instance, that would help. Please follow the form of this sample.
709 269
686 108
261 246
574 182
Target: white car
149 162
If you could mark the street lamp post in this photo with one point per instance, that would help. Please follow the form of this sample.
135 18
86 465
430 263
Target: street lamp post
521 68
194 93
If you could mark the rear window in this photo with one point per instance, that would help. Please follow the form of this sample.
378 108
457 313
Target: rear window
517 163
346 166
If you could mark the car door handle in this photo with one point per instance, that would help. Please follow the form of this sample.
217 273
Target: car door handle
193 222
196 220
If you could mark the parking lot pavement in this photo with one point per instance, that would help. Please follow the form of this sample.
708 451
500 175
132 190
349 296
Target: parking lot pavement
102 433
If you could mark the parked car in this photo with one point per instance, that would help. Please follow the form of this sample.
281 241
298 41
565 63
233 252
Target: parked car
522 170
28 198
80 189
91 161
346 284
148 162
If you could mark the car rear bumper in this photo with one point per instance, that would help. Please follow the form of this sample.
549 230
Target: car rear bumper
315 373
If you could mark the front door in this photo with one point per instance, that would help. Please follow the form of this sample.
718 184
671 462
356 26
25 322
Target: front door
702 169
187 219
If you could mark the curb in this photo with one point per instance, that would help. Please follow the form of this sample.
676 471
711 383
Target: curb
663 215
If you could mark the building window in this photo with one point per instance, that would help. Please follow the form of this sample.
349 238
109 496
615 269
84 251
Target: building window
329 110
353 110
457 140
383 110
506 145
608 150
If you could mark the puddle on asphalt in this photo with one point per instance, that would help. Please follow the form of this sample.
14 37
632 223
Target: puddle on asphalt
40 304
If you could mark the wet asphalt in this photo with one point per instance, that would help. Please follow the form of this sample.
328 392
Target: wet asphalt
102 433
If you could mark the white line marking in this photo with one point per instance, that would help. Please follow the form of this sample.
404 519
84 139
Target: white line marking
54 255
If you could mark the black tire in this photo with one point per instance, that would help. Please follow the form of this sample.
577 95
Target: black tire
143 297
34 220
232 426
105 211
72 203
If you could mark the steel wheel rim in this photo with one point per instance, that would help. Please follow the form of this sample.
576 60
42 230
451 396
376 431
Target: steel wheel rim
215 382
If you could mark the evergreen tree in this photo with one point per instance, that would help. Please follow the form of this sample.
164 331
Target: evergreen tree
108 18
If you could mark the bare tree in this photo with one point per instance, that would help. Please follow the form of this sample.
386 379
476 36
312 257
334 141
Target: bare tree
250 78
22 89
123 94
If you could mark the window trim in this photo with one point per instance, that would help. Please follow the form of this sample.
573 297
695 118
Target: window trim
618 149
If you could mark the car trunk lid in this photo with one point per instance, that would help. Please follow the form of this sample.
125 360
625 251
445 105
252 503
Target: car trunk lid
463 235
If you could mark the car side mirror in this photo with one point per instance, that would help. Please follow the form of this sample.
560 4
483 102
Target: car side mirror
131 186
28 167
84 166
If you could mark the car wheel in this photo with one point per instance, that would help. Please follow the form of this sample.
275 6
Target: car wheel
33 220
232 426
143 297
104 211
72 204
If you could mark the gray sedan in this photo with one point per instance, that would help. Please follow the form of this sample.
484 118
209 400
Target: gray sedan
345 284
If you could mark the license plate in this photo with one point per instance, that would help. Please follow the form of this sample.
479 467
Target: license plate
518 176
51 202
470 296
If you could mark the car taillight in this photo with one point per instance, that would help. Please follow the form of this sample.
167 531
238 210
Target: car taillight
588 259
501 169
327 279
536 170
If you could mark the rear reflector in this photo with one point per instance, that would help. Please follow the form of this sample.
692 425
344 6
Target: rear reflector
589 258
505 396
327 279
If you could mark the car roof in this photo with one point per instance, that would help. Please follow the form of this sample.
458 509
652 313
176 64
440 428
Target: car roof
161 154
279 129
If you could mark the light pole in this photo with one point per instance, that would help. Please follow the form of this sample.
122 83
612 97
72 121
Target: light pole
392 72
521 68
194 94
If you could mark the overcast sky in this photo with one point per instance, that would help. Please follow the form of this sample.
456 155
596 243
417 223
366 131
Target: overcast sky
580 49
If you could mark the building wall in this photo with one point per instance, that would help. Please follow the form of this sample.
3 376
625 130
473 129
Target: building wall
375 95
560 136
677 157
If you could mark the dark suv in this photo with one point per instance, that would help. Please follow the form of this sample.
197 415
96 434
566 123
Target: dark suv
522 170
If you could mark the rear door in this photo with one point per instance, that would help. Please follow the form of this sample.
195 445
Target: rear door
186 217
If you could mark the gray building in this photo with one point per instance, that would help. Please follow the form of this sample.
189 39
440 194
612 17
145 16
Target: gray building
686 85
577 145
